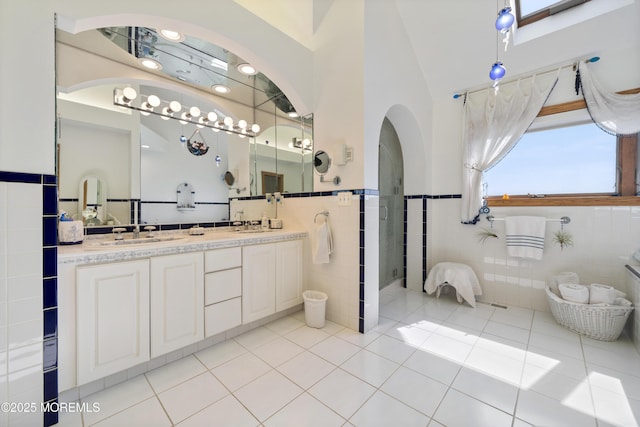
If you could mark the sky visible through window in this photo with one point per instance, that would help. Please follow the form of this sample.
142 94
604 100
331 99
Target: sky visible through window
575 159
530 6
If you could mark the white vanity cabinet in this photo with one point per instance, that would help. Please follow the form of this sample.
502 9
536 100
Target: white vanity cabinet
176 301
271 278
112 318
289 280
222 290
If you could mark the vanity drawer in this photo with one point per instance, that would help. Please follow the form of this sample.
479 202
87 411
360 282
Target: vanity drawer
222 259
222 316
222 285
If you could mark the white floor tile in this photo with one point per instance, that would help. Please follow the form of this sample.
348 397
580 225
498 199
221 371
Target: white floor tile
306 369
621 359
117 398
416 390
192 396
256 337
241 371
548 383
307 337
284 325
495 365
391 348
413 334
305 411
627 386
335 350
489 390
520 318
268 394
148 413
458 409
555 362
540 410
614 409
382 410
220 353
507 331
567 346
370 367
174 373
278 351
342 392
446 348
357 338
433 366
226 412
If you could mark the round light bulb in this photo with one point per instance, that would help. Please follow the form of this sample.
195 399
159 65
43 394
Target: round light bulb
247 69
228 121
175 106
166 113
172 35
255 128
242 124
153 101
194 111
185 118
220 88
128 95
212 116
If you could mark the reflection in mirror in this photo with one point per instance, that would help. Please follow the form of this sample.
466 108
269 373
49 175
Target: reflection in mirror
92 201
141 157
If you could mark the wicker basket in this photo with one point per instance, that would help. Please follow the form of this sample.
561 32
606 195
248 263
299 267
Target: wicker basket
602 323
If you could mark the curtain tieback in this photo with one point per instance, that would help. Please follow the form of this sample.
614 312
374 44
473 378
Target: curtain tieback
472 167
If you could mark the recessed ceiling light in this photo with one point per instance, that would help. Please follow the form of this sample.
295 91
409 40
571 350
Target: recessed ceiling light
247 69
220 89
173 36
151 64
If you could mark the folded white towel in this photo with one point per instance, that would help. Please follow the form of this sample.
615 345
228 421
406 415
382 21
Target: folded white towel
602 294
322 241
574 293
563 277
525 236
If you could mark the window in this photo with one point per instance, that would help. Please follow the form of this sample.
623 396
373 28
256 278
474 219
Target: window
565 154
575 159
529 11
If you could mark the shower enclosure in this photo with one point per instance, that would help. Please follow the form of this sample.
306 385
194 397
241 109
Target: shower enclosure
390 185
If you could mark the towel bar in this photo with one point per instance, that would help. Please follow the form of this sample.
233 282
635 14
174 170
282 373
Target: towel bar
325 213
563 220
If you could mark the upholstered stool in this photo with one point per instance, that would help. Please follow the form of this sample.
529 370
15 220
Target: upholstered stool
458 275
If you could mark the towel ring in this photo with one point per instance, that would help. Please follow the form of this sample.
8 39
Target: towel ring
325 213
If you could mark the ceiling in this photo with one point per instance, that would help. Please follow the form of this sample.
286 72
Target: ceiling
454 41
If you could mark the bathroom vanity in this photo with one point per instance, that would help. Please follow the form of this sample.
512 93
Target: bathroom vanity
122 305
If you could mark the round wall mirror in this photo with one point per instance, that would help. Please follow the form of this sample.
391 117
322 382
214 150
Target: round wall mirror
321 162
229 179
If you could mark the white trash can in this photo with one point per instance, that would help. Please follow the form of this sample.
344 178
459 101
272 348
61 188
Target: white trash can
315 303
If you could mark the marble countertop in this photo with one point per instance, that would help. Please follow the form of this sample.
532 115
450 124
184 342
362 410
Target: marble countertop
92 250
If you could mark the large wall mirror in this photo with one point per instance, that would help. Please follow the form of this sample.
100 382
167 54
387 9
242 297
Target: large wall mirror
142 156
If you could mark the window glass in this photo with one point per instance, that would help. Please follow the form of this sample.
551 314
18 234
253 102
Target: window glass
528 7
579 158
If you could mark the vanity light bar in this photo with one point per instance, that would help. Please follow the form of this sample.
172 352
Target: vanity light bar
166 109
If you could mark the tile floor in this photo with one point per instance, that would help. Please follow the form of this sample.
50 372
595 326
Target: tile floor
428 363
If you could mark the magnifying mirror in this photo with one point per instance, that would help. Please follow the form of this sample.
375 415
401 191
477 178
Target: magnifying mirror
229 179
321 162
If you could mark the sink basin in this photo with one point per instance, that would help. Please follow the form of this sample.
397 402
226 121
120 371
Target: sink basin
140 241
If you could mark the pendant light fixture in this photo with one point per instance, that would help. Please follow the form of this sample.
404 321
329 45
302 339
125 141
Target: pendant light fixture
503 25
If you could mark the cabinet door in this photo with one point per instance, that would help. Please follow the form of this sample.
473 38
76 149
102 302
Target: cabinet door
288 274
113 318
177 301
258 282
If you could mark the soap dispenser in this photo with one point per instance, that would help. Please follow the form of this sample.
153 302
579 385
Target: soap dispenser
265 221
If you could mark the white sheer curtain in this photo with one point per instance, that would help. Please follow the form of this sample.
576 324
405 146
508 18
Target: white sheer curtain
494 121
614 113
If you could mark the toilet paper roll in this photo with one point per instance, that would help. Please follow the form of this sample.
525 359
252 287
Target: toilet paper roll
70 232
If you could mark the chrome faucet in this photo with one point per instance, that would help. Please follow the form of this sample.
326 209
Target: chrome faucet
136 232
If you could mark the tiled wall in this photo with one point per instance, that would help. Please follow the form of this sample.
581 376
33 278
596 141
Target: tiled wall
28 296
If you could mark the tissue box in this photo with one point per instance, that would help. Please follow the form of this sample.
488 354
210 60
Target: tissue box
275 223
70 232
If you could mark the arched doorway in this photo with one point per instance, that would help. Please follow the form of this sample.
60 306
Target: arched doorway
391 222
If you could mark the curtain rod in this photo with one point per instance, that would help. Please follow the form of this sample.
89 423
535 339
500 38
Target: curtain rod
544 71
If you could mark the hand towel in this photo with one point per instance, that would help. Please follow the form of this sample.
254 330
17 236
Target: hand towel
574 293
525 236
602 294
458 275
70 232
563 277
322 242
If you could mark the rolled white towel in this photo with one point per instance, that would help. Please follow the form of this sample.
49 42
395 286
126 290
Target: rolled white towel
574 293
599 293
563 277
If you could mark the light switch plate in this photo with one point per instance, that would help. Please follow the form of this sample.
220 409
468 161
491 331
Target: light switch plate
344 198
